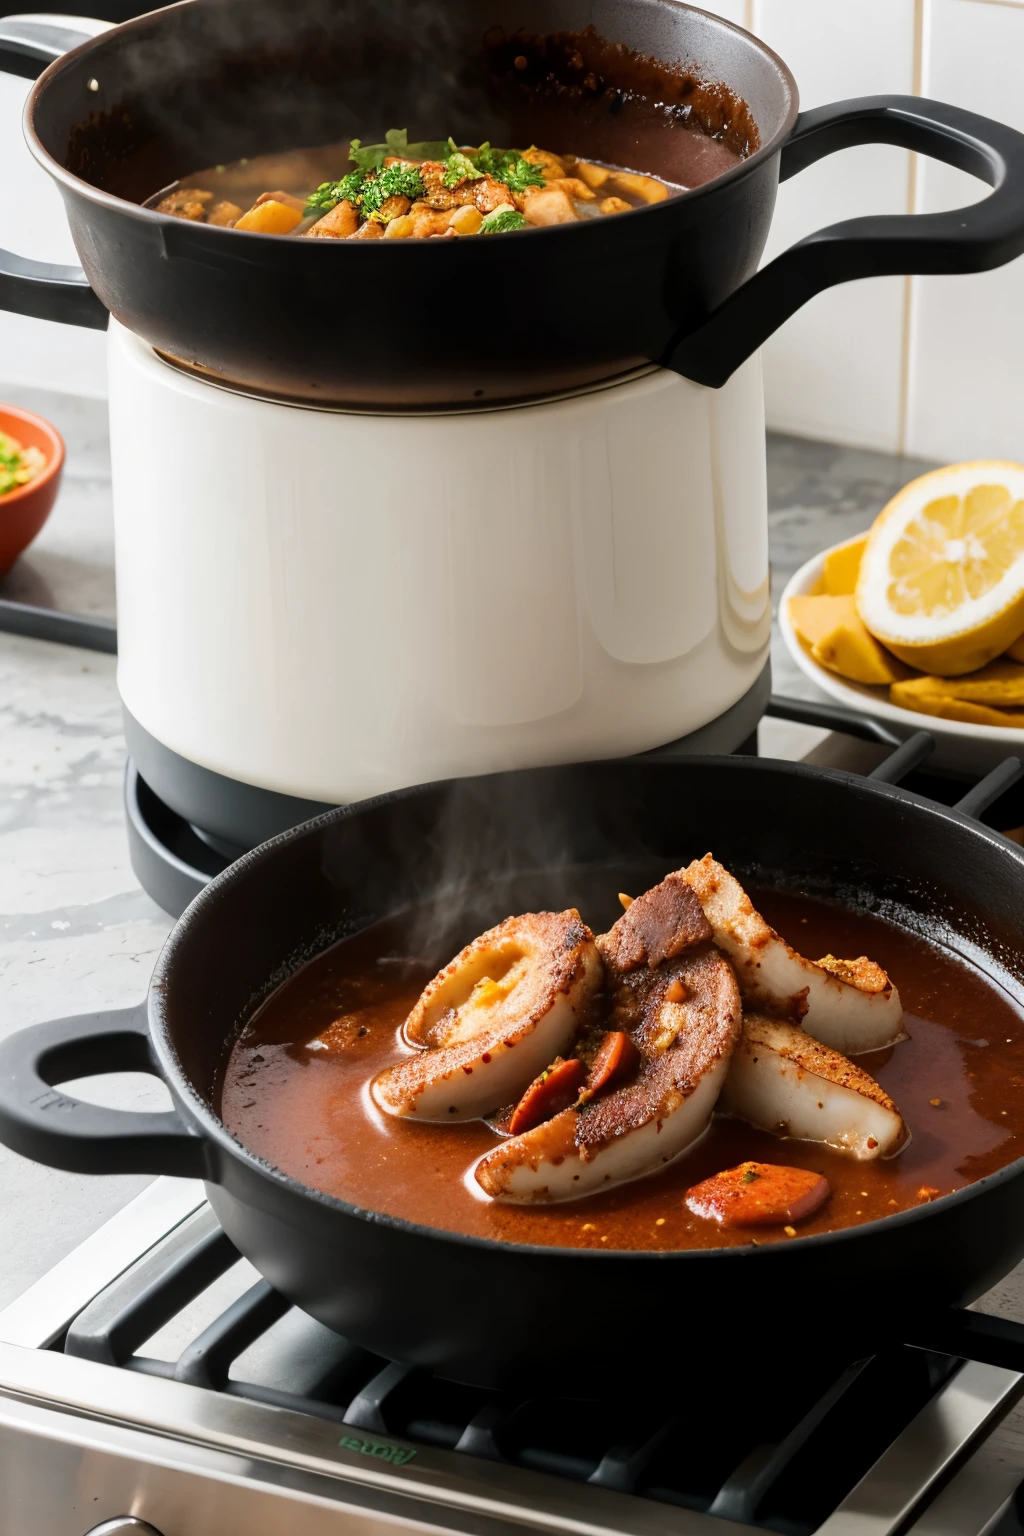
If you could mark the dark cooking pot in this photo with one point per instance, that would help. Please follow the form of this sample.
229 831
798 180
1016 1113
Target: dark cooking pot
482 1311
419 324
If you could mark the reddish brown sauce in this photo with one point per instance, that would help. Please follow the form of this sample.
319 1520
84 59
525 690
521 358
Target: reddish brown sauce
307 1111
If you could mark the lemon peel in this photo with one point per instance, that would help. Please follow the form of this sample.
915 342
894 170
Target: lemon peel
941 581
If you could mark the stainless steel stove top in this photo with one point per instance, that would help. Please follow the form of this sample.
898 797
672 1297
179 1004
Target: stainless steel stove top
153 1377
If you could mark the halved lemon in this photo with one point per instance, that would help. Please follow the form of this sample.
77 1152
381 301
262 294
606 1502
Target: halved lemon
941 581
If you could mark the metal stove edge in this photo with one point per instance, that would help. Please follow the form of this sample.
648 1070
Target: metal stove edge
96 1413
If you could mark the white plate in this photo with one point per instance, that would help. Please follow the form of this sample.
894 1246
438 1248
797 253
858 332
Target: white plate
959 747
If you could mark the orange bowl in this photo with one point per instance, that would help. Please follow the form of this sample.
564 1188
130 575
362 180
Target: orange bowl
24 511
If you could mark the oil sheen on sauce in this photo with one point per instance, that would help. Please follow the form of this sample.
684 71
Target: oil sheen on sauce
294 1092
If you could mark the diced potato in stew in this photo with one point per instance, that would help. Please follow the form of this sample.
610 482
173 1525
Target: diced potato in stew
410 191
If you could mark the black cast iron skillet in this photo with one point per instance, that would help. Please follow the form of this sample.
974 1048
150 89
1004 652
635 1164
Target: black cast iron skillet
466 322
481 1311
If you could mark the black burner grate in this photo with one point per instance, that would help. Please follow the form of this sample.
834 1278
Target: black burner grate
999 796
780 1454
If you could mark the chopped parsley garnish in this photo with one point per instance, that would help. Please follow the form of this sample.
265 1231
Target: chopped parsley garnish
749 1176
502 222
489 160
372 182
460 168
330 193
518 174
508 165
392 181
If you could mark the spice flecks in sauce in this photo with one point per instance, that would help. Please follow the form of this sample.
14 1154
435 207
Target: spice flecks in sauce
307 1110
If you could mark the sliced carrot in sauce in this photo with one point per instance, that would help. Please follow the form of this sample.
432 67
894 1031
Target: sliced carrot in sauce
759 1195
615 1060
554 1090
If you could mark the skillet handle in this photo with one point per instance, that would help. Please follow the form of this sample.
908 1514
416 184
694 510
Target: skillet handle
40 288
50 1127
972 239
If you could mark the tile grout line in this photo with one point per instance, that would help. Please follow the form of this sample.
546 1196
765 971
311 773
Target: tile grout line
908 281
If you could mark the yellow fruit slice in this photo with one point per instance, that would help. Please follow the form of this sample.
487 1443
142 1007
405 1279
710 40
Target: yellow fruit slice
817 616
941 581
1016 650
837 639
925 695
842 567
1000 684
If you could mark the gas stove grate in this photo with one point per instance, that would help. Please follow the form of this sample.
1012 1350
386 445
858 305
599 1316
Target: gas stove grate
997 800
780 1455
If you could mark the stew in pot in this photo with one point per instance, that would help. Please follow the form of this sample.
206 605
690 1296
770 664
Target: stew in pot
403 190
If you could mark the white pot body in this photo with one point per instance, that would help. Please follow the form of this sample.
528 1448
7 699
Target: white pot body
332 605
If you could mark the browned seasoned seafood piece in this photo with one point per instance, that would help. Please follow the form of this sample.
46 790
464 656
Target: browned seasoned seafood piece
494 1018
848 1004
435 193
370 230
685 1049
862 973
549 205
393 208
574 187
786 1082
647 188
342 221
552 166
428 221
657 926
224 214
186 203
594 175
482 192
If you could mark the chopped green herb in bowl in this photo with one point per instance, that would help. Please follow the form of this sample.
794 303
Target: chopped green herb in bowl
18 465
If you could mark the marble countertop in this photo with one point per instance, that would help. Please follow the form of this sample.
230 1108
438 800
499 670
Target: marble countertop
76 931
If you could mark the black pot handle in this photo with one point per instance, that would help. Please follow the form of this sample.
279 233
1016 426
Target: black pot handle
986 234
48 1126
29 43
40 288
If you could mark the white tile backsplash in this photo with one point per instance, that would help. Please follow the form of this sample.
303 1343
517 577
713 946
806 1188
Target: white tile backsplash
835 370
966 378
32 223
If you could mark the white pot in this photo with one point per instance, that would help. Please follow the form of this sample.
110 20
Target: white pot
330 605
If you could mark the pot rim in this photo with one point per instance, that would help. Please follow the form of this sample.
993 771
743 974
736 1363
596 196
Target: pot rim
213 1128
96 195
